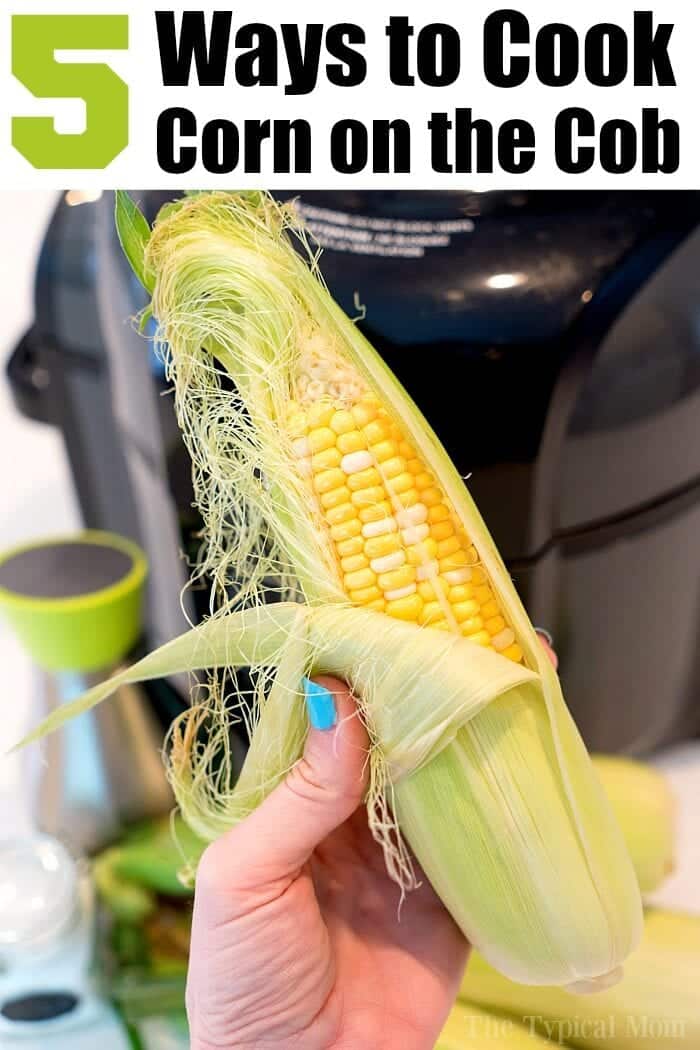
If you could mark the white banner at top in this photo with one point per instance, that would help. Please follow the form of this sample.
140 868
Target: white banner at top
104 94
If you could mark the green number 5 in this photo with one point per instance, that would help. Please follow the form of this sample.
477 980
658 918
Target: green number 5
35 40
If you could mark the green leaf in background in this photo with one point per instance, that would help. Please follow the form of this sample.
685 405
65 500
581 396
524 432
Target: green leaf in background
134 234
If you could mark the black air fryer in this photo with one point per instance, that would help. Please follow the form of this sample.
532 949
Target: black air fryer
552 340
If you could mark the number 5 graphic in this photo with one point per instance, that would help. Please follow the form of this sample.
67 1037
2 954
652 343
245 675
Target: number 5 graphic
35 40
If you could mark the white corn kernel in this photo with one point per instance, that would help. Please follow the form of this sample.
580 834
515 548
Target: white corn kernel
427 571
402 592
503 640
356 461
388 562
415 534
301 447
457 576
378 528
415 515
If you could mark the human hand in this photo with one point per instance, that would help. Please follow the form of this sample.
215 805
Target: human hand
296 937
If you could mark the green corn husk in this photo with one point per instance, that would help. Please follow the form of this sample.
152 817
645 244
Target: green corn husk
469 1028
645 807
477 757
656 1006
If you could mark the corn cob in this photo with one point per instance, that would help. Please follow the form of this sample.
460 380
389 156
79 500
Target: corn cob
645 806
473 752
655 1005
401 548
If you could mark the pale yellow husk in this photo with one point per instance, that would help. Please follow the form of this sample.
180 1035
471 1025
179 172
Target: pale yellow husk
476 756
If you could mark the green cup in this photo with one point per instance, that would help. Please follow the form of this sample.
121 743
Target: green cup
75 602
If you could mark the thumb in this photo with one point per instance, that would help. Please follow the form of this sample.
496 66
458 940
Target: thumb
319 793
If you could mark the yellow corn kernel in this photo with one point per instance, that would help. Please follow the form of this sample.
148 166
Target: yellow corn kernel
408 608
352 441
495 625
472 626
353 545
463 592
382 546
358 581
424 480
513 652
442 531
368 497
478 575
431 496
330 457
483 594
453 561
346 531
378 605
364 412
430 589
448 546
383 451
414 466
378 430
376 512
328 480
319 414
321 439
431 612
391 468
480 638
490 609
337 515
421 553
335 497
401 483
354 563
342 422
438 514
363 479
407 498
441 625
394 581
365 596
465 610
406 450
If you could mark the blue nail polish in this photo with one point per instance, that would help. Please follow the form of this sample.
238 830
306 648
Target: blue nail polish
320 705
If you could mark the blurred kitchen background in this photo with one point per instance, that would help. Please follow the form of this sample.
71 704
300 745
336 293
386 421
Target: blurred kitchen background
571 324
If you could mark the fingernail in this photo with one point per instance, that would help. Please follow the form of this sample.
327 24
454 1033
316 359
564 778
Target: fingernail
320 705
546 635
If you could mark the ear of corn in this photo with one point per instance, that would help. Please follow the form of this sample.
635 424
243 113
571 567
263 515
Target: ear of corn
645 807
321 483
655 1005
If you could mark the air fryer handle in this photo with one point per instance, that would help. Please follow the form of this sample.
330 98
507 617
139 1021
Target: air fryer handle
32 384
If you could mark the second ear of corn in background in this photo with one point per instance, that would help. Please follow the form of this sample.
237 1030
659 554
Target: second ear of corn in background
313 468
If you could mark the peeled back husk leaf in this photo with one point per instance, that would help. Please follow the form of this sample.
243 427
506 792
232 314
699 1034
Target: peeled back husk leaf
656 1004
475 754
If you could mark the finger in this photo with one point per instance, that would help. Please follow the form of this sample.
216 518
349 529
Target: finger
545 639
319 793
